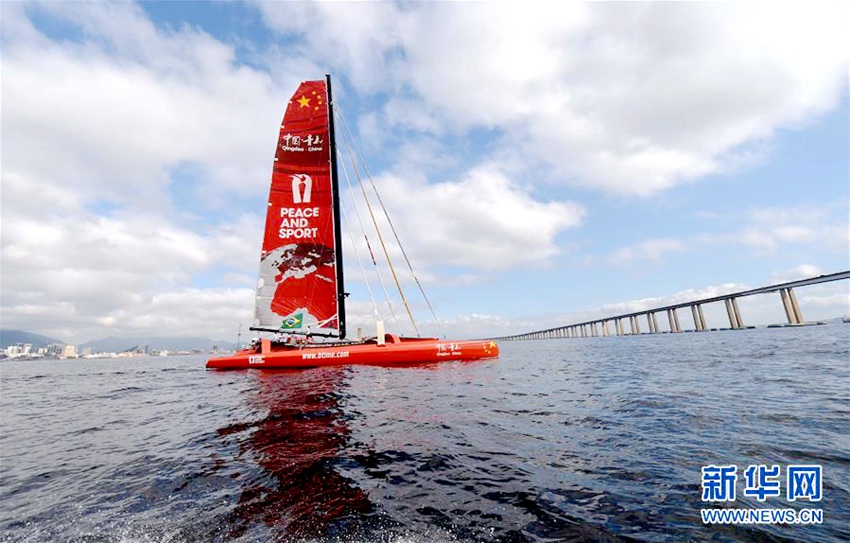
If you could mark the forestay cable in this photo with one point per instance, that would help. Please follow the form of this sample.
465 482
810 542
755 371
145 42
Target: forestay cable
390 222
360 263
350 143
365 237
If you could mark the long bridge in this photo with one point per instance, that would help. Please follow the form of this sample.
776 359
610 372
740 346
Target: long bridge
592 328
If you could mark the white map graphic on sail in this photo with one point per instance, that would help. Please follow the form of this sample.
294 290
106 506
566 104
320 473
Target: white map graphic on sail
298 262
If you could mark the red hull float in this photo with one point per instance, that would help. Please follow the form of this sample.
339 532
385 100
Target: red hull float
395 351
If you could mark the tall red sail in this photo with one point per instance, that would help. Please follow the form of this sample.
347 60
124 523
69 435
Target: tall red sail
297 289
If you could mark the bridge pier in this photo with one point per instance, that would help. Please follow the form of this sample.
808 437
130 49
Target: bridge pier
795 306
605 332
737 313
732 322
699 319
792 309
619 326
635 325
735 320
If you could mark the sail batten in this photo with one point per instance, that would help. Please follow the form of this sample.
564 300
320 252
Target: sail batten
300 268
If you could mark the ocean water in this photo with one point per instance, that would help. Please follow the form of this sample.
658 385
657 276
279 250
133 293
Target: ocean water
597 439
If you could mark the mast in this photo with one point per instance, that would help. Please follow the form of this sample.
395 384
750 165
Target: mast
337 226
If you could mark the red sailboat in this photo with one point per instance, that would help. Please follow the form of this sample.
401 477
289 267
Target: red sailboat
300 292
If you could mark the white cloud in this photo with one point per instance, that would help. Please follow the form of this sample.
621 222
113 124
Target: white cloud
358 37
214 313
652 250
825 303
631 98
62 264
111 116
769 230
480 221
477 325
803 271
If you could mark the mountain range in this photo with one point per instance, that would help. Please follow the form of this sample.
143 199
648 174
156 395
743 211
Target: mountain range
117 344
13 337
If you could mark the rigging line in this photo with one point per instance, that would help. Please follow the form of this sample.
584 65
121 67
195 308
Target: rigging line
360 262
369 245
392 227
357 253
380 237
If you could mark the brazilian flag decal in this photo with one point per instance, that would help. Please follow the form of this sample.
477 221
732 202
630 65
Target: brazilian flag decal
292 322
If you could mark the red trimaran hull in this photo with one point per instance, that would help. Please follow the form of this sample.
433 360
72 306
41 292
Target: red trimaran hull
300 290
395 352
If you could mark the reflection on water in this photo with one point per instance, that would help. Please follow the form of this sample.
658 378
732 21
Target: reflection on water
299 492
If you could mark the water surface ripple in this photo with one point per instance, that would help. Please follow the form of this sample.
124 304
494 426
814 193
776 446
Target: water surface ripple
597 439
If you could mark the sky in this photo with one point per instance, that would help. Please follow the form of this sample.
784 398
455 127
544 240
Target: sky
542 166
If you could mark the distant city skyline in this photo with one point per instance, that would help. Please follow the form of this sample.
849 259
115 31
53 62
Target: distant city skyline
543 167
